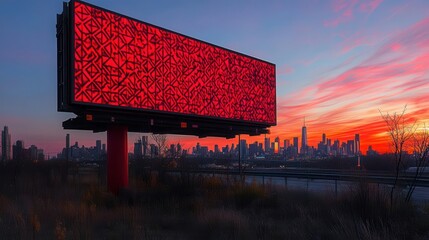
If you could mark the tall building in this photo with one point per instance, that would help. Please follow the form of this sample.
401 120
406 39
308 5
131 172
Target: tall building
173 150
6 144
304 142
267 144
350 147
138 149
98 149
67 146
286 143
276 147
216 149
19 150
145 144
243 147
253 149
295 143
179 149
357 144
324 138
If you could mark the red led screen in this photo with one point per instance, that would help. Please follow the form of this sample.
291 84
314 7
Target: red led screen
125 63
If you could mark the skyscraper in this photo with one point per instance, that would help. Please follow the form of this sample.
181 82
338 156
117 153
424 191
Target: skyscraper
68 141
324 138
357 144
98 149
295 143
350 147
67 154
286 143
276 145
216 148
145 143
138 149
6 144
18 151
304 142
243 147
267 144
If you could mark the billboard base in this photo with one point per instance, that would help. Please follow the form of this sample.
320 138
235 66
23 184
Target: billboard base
117 158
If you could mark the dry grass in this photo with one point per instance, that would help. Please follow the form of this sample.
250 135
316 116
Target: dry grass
37 205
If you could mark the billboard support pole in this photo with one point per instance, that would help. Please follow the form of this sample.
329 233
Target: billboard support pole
117 158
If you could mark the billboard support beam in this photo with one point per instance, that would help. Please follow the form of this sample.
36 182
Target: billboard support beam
117 158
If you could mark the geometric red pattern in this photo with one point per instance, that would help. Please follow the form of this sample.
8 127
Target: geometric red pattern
130 64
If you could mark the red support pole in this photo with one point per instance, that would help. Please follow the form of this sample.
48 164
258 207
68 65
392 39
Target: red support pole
117 158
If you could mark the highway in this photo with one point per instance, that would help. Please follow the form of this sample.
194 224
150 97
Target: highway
319 174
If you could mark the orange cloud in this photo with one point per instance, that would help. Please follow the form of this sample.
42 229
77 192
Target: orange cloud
348 103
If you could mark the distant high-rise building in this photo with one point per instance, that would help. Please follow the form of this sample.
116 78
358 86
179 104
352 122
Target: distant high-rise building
324 138
198 149
138 149
243 147
173 150
286 143
350 147
304 142
295 143
145 144
153 150
98 145
204 151
253 149
6 144
371 151
19 151
33 153
67 140
179 149
98 149
267 144
276 147
67 154
357 144
225 150
216 148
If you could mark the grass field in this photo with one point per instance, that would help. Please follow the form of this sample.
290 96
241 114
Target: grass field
43 201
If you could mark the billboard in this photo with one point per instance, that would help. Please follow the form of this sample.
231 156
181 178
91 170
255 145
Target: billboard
120 63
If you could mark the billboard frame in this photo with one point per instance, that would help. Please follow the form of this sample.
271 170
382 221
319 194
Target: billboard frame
108 114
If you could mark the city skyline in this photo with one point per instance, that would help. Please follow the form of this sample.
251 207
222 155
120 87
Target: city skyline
338 63
145 146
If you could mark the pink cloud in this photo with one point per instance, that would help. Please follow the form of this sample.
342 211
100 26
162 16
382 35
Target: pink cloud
344 11
370 6
395 75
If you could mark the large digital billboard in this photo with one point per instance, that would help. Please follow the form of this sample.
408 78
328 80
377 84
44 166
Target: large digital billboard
124 64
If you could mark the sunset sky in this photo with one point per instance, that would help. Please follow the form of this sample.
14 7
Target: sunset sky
338 63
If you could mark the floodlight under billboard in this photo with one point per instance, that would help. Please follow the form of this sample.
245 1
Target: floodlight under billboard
115 68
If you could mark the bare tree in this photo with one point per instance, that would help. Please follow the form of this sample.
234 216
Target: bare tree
421 151
161 142
400 132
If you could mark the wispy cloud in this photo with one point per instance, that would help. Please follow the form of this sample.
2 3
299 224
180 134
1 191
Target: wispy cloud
395 75
344 10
